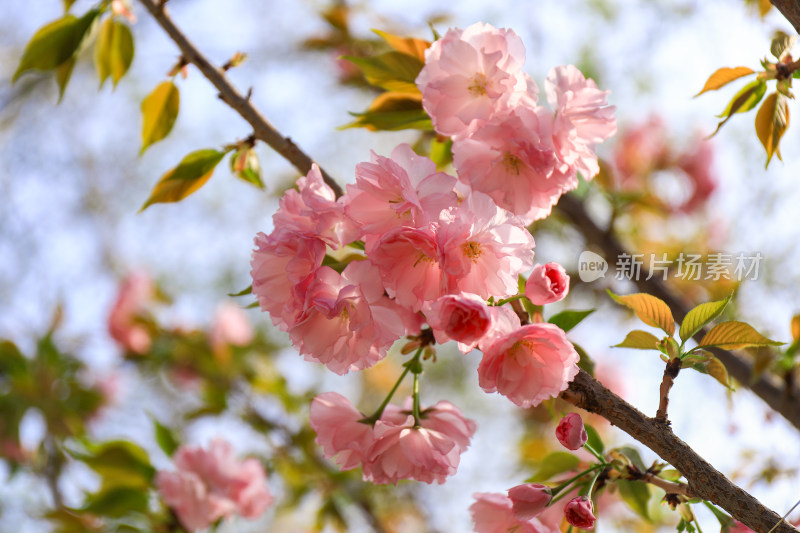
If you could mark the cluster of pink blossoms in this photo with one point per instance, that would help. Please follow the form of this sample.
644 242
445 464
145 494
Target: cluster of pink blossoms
409 246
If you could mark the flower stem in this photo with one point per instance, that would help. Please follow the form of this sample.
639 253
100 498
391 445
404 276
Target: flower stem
595 453
377 414
569 482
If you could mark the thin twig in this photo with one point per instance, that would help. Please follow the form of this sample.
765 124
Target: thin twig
670 487
670 373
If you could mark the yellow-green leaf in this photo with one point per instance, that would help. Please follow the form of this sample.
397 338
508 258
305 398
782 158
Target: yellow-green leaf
55 43
650 310
192 172
717 370
745 100
159 112
393 71
724 76
392 111
63 74
246 166
639 340
700 316
407 45
772 120
637 495
782 44
734 335
113 50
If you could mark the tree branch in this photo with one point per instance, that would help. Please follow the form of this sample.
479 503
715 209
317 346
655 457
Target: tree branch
262 129
789 9
704 480
670 487
584 391
768 387
670 373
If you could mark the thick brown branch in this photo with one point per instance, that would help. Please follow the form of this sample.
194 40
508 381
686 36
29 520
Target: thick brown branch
704 480
768 387
262 129
789 9
670 373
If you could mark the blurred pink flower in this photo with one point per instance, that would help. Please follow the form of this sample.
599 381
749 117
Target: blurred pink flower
483 248
580 512
529 500
640 150
513 160
698 166
532 364
125 325
404 190
347 322
230 327
463 317
547 284
121 8
582 118
281 266
492 513
210 484
570 432
338 429
471 76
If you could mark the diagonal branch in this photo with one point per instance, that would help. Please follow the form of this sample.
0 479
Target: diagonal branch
789 9
584 391
768 387
704 480
262 129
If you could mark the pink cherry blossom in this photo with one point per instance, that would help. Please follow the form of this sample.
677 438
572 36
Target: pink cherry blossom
547 284
338 429
447 419
580 512
404 190
210 484
462 317
532 364
281 265
483 248
571 432
529 500
492 513
408 260
313 211
471 76
347 322
125 326
230 327
513 160
698 166
640 150
583 118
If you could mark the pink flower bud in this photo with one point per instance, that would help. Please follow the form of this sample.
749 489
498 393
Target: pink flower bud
463 317
529 500
570 432
547 284
580 513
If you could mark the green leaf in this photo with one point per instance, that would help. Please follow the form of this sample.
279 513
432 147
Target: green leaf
117 502
716 369
407 45
639 340
63 74
650 310
393 71
637 495
670 475
553 464
566 320
441 152
734 335
772 120
585 363
594 439
243 292
113 51
120 463
192 172
165 438
724 76
633 454
68 4
55 43
159 112
725 521
701 315
246 166
782 44
745 100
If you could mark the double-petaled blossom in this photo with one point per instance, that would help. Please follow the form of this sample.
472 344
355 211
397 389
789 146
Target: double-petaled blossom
483 248
402 190
580 512
571 432
347 322
493 513
582 118
125 324
529 500
462 317
547 284
211 484
528 365
471 76
339 432
513 160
